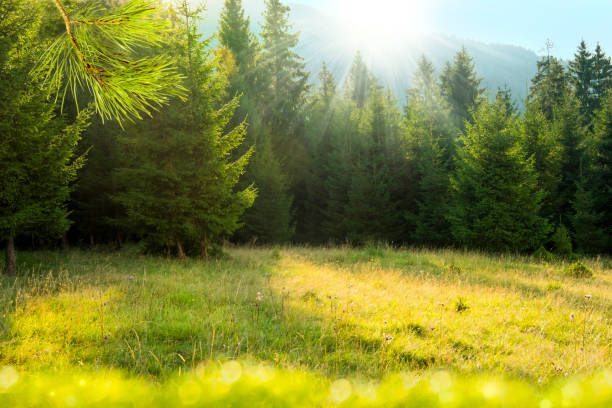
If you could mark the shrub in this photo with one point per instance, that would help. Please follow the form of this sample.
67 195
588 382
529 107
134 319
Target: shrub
543 255
461 305
579 270
454 269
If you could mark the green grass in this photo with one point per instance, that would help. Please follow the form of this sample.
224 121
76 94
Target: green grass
331 312
235 384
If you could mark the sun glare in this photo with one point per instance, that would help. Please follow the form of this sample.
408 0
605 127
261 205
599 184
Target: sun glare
382 24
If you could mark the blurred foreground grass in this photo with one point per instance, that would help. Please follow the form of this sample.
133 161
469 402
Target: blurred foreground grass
239 385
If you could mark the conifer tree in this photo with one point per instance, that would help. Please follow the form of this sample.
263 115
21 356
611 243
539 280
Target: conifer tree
461 88
430 146
269 219
360 82
549 87
601 184
322 127
372 211
602 77
236 36
37 149
286 82
180 180
540 143
340 169
569 132
581 73
495 201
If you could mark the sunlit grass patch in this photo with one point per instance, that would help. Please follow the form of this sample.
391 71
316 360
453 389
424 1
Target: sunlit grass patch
337 312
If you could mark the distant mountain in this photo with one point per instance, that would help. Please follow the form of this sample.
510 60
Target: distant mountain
325 38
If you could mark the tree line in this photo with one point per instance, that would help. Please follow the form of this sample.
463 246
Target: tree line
252 151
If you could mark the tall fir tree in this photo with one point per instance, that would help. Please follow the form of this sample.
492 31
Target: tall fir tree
581 72
495 201
360 82
322 127
601 175
37 150
602 77
430 150
377 218
179 179
549 87
286 83
461 88
541 144
570 133
235 35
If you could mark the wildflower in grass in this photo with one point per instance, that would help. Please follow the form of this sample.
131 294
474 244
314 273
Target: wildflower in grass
259 297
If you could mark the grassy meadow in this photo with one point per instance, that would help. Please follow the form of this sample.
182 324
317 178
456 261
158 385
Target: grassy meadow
364 315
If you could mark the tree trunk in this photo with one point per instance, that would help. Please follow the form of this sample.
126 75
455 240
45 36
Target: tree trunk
179 249
11 257
204 244
65 244
118 241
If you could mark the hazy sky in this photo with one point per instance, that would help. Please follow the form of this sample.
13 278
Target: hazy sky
527 23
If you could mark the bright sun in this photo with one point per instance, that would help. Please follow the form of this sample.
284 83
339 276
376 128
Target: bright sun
384 23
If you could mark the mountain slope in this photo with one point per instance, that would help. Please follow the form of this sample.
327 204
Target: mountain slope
325 38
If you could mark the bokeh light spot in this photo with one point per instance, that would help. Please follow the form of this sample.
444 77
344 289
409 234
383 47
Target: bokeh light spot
8 377
340 390
231 372
440 381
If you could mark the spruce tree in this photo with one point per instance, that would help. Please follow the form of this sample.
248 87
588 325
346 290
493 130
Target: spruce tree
461 88
37 149
322 127
495 200
235 36
286 81
430 149
549 87
179 181
269 219
340 168
360 82
602 77
541 144
372 210
581 73
569 132
601 184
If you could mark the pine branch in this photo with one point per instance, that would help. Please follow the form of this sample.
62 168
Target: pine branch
97 53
